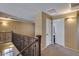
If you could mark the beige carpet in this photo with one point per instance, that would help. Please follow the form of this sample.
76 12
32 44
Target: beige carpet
57 50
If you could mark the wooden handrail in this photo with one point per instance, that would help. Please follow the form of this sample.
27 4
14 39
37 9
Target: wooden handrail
27 47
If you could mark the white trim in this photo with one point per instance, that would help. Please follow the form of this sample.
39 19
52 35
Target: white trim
72 49
43 48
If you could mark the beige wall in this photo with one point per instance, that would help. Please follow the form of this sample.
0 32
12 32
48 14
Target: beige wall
38 24
70 33
40 27
25 28
70 29
77 30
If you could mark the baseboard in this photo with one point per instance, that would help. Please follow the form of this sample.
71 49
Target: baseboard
69 48
72 49
43 48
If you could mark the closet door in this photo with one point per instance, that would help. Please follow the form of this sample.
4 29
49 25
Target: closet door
48 32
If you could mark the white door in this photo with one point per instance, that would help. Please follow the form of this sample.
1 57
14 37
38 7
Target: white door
48 32
59 31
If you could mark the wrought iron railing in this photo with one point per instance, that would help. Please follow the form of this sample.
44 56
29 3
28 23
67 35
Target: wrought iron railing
5 37
27 46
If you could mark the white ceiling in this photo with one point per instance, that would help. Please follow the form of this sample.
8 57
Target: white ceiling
29 10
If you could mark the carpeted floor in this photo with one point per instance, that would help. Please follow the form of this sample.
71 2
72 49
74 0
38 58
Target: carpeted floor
57 50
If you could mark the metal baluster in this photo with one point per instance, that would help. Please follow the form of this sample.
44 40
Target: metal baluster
33 48
28 48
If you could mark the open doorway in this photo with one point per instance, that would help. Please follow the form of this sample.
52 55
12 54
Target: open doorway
58 31
54 34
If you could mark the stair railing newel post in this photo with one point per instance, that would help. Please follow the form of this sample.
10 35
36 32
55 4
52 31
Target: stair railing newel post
39 43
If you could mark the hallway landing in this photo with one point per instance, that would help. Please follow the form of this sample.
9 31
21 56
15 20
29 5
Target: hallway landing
57 50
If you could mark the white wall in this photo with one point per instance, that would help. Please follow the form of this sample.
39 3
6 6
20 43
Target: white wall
59 31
